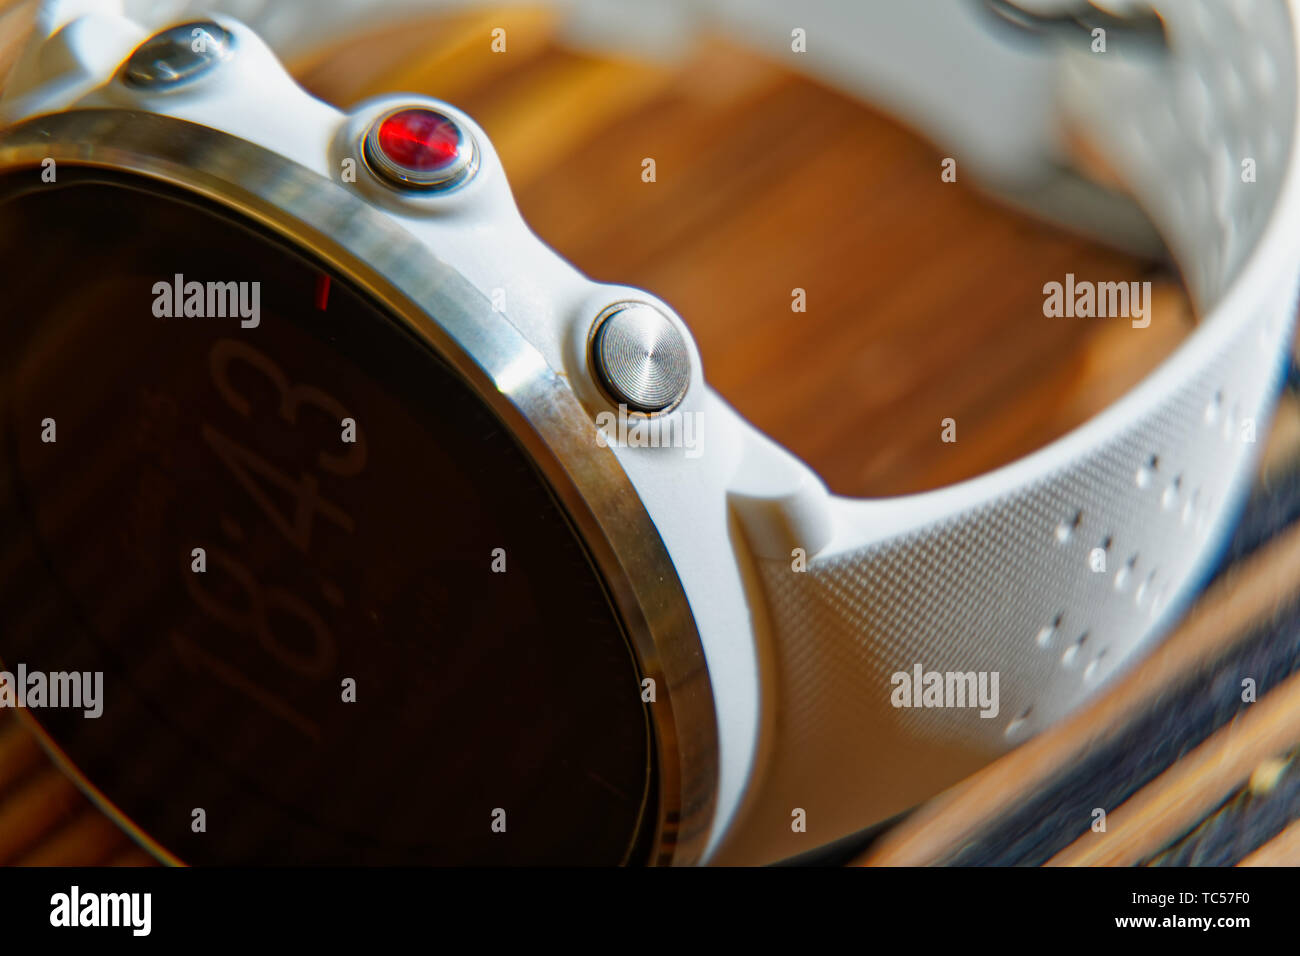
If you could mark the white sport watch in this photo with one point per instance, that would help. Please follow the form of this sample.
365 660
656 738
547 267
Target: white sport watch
341 477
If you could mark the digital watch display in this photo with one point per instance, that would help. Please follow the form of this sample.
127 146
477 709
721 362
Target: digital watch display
348 673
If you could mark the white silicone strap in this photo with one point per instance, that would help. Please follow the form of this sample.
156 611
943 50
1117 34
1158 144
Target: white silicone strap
997 574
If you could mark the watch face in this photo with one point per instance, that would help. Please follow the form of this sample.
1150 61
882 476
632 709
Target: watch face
339 615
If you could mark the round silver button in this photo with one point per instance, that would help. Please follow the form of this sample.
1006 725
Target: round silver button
639 357
178 55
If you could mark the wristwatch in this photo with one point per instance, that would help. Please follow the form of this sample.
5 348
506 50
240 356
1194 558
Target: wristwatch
395 539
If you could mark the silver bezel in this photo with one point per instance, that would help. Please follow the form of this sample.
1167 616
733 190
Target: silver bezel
458 322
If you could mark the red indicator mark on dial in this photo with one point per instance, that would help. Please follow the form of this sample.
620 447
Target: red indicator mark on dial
322 292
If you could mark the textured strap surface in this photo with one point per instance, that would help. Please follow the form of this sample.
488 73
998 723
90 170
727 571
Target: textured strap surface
997 575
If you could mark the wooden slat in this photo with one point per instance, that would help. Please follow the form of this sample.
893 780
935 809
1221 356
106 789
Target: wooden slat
1283 446
1176 800
445 58
35 811
19 752
87 839
1249 593
1282 850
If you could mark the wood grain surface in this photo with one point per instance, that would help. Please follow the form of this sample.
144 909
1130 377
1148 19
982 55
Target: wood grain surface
924 298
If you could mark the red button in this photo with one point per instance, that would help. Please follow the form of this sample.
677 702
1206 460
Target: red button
422 140
421 149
